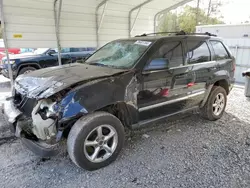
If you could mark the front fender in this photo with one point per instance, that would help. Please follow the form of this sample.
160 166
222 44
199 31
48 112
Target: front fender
97 94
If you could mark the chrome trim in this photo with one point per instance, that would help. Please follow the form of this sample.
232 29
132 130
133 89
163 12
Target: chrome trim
150 121
191 65
170 102
185 66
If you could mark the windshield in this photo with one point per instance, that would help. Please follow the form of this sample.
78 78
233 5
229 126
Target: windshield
41 50
119 54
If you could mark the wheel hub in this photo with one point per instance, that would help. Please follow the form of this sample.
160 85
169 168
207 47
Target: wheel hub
101 143
219 104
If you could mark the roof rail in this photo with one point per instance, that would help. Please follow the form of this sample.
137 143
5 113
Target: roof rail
173 32
177 33
206 33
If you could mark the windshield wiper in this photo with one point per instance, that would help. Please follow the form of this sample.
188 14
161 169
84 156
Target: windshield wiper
111 66
98 64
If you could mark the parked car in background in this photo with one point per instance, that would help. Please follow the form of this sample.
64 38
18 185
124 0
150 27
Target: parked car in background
127 83
3 54
43 58
10 50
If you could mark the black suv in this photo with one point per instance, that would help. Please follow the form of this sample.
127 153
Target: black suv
42 58
127 83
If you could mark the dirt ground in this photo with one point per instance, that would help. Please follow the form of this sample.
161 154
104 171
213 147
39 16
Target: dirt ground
185 151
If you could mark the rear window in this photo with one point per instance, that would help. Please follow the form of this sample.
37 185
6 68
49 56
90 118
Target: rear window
198 52
219 50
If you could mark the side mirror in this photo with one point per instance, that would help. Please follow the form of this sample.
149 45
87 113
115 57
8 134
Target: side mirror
51 52
156 64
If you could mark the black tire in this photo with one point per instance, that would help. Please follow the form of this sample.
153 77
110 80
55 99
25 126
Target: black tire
207 110
82 128
26 69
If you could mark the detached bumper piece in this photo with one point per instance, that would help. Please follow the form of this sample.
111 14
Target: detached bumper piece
5 73
10 111
41 149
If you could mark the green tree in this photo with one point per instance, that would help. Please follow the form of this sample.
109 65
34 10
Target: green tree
169 22
186 20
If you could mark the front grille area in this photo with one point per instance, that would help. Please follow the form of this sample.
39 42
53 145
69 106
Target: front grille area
24 104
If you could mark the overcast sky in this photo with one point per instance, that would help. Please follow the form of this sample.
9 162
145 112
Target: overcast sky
236 11
233 11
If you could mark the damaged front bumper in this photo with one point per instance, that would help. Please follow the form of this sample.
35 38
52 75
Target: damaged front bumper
11 115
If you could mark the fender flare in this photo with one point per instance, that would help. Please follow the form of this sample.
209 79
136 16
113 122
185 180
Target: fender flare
27 65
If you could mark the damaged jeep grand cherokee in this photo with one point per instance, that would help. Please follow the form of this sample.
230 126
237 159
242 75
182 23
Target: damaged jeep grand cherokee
127 83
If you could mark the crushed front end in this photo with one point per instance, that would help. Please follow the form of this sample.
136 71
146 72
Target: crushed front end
40 118
35 122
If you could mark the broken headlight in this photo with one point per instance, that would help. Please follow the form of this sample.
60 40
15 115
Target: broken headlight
48 109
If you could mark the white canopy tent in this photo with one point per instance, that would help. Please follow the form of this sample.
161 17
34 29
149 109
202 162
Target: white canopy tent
78 23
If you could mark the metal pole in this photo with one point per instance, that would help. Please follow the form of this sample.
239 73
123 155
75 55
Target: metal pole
6 44
57 18
132 28
236 52
197 11
97 22
103 14
130 14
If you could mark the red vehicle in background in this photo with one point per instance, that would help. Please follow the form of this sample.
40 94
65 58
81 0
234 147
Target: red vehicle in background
11 50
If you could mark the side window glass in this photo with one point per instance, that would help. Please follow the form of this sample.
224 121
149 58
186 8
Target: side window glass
65 50
78 49
169 55
198 52
219 50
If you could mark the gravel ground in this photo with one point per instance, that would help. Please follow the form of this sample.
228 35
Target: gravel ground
186 151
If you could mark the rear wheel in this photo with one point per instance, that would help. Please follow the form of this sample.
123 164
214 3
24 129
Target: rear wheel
95 140
215 105
26 70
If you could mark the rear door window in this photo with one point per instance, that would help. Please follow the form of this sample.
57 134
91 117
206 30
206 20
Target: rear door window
197 52
219 50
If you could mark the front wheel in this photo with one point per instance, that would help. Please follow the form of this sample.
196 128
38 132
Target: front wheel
215 105
95 140
26 70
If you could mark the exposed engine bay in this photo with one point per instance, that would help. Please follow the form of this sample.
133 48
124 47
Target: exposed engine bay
43 126
41 123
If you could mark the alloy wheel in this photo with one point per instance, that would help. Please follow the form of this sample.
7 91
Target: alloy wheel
100 143
219 104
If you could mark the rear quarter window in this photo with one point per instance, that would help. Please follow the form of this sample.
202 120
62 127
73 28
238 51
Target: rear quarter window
219 50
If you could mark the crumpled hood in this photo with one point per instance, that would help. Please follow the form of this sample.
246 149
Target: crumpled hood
46 82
